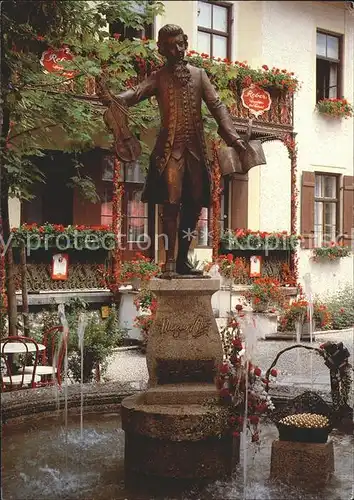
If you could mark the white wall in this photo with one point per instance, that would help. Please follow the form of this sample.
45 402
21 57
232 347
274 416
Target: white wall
328 277
324 144
14 212
275 189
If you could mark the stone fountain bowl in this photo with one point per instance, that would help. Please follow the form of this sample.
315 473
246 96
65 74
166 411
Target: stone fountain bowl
303 434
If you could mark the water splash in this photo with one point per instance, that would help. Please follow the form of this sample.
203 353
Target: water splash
249 329
309 297
64 322
80 334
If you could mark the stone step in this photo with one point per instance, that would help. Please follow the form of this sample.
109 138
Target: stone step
173 421
175 394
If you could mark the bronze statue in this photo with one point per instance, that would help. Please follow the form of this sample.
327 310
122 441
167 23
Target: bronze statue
179 175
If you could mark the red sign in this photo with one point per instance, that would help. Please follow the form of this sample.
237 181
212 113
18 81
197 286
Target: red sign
60 264
256 99
51 58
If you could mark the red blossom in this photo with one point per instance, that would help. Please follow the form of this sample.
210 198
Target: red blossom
273 372
258 372
224 368
254 419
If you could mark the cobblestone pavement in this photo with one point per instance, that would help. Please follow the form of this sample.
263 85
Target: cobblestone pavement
293 367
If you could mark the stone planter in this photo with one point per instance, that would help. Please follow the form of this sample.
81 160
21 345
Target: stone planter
128 313
266 324
304 328
261 307
136 283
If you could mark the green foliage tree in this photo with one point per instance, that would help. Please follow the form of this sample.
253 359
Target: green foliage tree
35 103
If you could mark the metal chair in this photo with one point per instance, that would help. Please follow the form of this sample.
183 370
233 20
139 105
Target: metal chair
51 359
14 381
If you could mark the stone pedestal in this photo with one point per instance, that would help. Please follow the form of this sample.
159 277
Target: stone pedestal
306 464
176 429
184 342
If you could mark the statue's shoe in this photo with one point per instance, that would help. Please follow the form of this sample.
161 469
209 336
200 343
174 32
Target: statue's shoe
185 269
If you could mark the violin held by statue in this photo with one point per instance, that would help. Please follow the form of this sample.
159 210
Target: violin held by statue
127 146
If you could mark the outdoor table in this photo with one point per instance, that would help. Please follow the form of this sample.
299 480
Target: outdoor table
20 348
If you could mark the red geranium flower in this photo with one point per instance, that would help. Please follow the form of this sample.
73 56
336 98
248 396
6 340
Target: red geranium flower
254 419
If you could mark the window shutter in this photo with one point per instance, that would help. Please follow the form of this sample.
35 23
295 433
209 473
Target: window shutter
308 208
239 201
348 209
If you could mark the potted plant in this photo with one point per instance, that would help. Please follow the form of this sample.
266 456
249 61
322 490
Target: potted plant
297 314
336 108
232 269
146 305
264 293
137 270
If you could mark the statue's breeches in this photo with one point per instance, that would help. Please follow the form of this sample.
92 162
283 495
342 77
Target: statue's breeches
183 178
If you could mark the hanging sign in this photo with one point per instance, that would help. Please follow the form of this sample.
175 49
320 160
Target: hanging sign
255 266
52 57
60 264
256 99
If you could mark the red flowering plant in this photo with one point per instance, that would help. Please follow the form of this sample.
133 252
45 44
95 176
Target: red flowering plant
241 385
337 108
230 267
239 74
332 251
298 312
246 239
140 268
146 305
265 292
81 237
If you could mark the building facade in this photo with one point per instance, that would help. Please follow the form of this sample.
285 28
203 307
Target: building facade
315 41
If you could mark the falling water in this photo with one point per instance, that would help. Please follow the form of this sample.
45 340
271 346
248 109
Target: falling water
249 328
64 322
80 334
298 354
309 296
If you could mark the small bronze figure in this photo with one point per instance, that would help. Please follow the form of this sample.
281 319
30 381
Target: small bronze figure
179 175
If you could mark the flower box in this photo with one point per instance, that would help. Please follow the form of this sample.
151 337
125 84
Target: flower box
331 252
335 108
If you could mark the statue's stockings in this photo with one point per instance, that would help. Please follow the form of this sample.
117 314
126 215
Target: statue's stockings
189 215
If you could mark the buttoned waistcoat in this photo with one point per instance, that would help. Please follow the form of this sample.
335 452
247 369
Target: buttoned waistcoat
164 87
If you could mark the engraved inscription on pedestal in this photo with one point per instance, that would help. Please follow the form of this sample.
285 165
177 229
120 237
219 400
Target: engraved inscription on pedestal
178 328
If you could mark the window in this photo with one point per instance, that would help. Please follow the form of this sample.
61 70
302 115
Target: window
214 20
328 66
135 212
137 215
127 32
326 208
107 206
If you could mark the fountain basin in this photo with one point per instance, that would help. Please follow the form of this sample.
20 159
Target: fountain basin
175 431
37 463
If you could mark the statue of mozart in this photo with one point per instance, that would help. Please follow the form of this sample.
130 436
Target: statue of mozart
179 175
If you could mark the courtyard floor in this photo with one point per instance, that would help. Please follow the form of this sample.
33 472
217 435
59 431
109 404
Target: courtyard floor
294 367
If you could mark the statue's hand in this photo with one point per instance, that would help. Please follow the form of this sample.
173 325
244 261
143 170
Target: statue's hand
102 91
239 144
